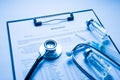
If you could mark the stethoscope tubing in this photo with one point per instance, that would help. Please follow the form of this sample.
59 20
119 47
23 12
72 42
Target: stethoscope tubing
38 60
83 70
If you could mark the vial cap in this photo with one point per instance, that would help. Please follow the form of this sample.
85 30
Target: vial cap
87 52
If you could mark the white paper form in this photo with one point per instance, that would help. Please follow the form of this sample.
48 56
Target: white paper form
26 40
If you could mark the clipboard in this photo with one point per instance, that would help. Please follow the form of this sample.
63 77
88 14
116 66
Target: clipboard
26 36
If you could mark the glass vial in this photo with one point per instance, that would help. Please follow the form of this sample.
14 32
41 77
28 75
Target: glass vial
98 63
98 30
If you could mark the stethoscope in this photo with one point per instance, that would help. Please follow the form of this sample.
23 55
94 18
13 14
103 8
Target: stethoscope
49 50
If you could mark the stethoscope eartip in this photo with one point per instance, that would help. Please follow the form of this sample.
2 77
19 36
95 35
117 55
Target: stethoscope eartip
69 53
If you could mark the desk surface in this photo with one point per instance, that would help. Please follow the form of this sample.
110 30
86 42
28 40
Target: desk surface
107 11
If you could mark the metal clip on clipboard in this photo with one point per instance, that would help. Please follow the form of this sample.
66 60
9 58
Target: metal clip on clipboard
40 23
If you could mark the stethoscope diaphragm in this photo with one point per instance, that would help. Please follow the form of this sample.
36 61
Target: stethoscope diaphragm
50 49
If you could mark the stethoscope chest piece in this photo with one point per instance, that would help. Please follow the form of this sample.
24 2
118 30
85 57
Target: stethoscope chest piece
50 49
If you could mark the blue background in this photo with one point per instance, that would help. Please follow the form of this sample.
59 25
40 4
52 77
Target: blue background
108 12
